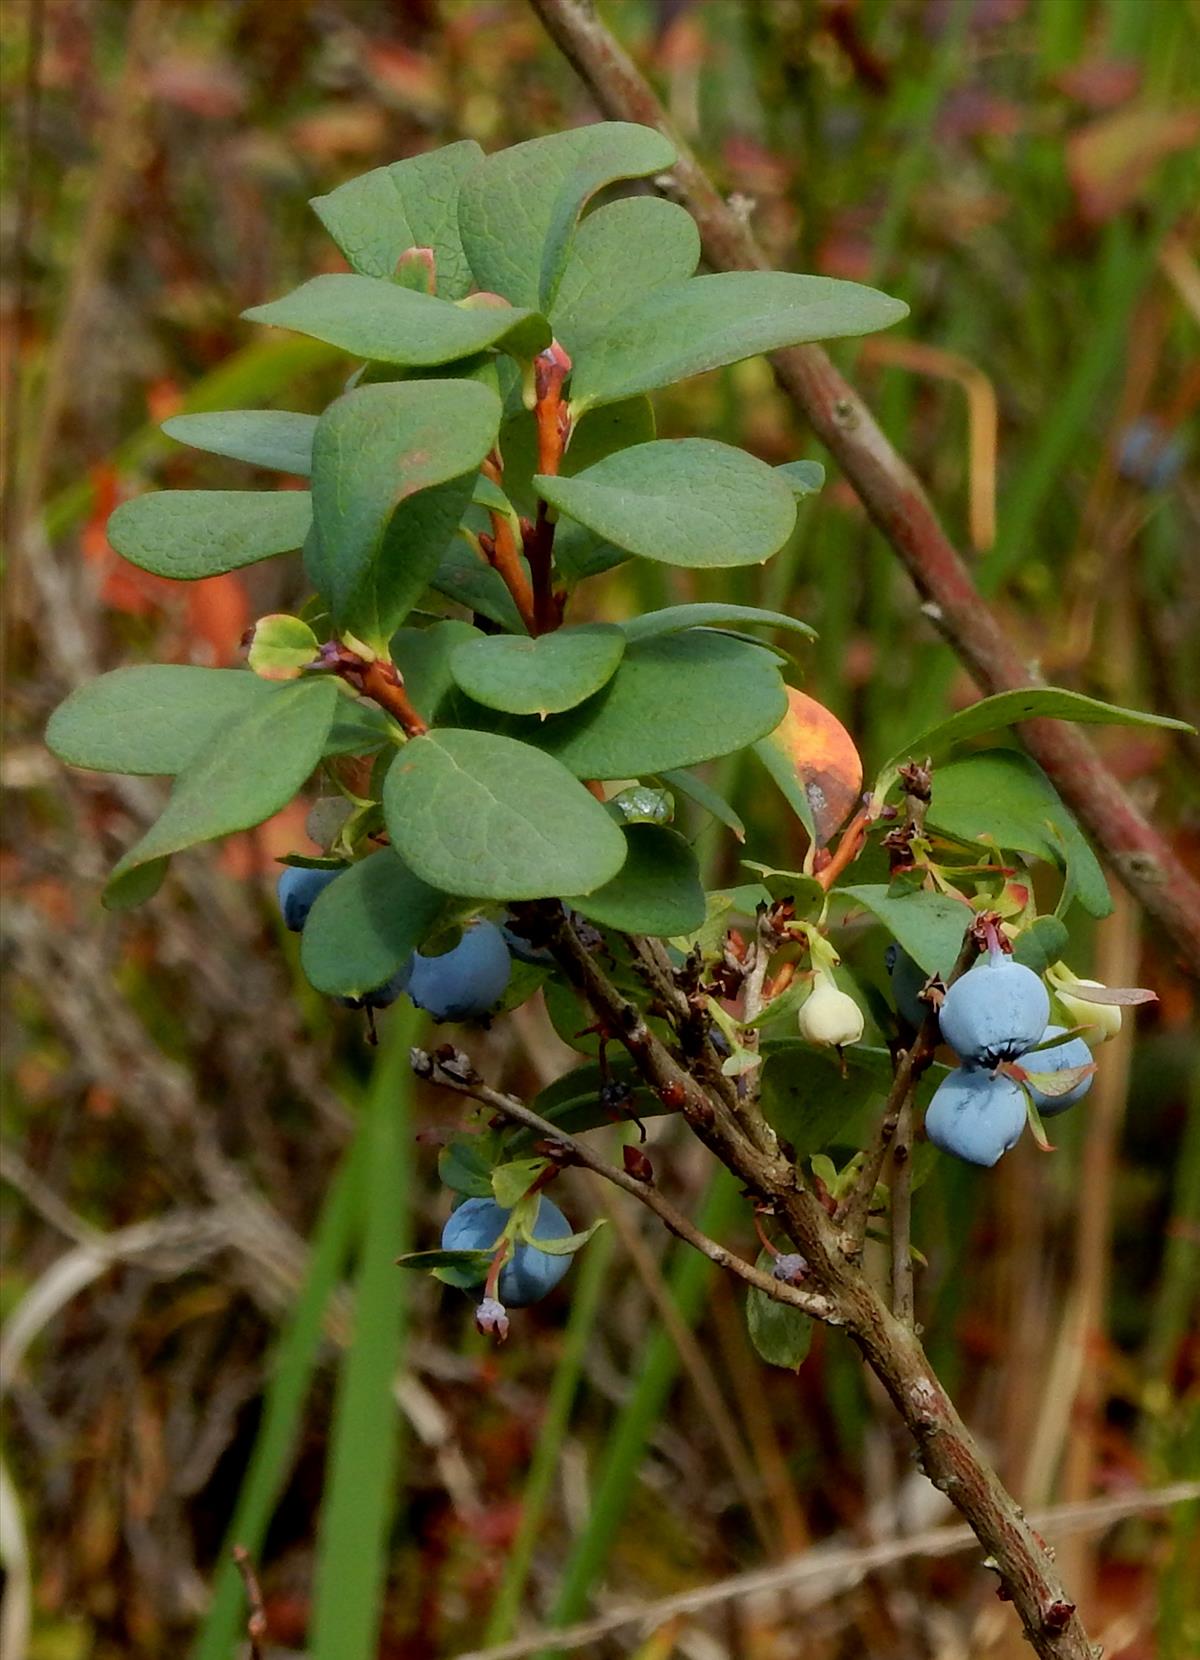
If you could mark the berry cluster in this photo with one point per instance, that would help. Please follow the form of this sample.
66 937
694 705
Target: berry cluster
464 983
991 1017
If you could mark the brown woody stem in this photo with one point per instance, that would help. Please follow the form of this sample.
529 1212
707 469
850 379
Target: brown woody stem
893 497
948 1453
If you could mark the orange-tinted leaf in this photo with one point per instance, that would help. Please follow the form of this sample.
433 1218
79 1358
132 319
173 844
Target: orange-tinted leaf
1111 160
821 757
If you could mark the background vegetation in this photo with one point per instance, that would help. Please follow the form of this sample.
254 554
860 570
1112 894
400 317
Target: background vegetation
175 1240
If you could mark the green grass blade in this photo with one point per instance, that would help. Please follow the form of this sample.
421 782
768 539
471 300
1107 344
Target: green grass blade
360 1487
626 1444
291 1373
585 1303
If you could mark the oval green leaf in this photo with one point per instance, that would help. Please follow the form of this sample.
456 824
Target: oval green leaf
376 448
781 1334
385 323
277 438
542 676
191 534
682 501
153 718
929 926
673 702
476 813
657 890
366 925
710 614
990 714
1002 796
518 209
249 769
709 321
621 253
379 216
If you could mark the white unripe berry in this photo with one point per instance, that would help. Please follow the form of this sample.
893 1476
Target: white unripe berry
830 1016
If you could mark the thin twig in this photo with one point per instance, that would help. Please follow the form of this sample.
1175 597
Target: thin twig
901 1212
892 495
518 1113
913 1063
256 1622
831 1572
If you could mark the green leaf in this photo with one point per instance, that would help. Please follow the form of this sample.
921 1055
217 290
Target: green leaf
673 702
1003 796
409 204
153 718
513 1180
475 813
190 534
569 1244
366 925
465 577
1009 709
464 1168
781 1334
1041 945
249 769
376 448
681 501
803 478
359 728
657 890
468 1268
929 926
281 646
518 208
598 434
277 438
385 323
621 253
811 1099
709 321
703 794
542 676
573 1103
710 614
423 656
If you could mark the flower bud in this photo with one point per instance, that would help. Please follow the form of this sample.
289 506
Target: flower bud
830 1016
1103 1020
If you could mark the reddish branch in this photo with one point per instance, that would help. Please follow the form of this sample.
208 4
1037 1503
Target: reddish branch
375 679
550 370
893 497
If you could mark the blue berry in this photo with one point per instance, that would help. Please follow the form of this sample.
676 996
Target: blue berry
975 1115
298 888
908 982
467 982
477 1225
1073 1053
995 1012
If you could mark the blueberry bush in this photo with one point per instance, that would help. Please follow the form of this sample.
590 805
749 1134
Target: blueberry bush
500 792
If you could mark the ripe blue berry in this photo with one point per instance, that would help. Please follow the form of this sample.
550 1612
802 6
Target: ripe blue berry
908 982
995 1012
477 1225
298 888
976 1116
467 982
1075 1052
